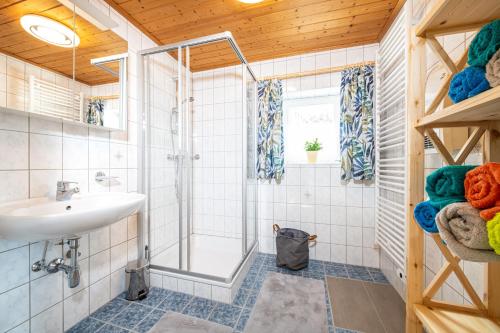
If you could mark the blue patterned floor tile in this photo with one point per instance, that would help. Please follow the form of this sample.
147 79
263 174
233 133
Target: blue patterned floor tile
131 316
270 269
242 321
145 325
241 297
358 273
269 261
225 314
259 280
248 281
154 297
199 307
378 276
87 325
112 329
110 309
176 301
291 272
251 299
336 271
314 275
315 266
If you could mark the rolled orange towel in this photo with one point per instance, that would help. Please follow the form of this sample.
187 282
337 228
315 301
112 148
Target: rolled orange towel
482 189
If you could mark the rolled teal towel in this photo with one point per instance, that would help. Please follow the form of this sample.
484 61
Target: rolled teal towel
468 83
425 215
446 185
485 44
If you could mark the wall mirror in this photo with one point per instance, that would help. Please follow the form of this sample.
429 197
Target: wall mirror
48 65
107 103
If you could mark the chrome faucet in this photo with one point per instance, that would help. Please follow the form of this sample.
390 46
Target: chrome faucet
65 191
72 270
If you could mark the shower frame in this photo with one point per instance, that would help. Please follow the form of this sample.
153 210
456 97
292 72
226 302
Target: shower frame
144 180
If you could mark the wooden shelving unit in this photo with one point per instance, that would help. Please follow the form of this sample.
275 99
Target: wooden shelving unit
481 112
483 107
448 16
445 321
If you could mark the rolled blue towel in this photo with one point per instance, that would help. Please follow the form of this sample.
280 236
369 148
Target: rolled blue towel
468 83
425 215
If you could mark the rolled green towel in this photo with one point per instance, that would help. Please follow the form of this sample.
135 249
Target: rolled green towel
493 226
446 185
485 44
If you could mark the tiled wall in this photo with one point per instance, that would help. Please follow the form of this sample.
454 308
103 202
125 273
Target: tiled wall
217 138
312 197
35 154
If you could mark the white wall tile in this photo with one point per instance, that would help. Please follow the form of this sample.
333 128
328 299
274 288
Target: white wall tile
118 256
45 151
100 293
15 303
202 290
221 294
43 183
117 283
15 146
41 299
185 286
354 255
170 283
14 268
49 321
118 232
76 308
75 153
99 266
99 240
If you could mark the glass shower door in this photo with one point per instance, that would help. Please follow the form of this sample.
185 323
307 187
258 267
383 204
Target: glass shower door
162 163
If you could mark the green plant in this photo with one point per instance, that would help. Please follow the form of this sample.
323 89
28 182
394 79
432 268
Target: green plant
313 145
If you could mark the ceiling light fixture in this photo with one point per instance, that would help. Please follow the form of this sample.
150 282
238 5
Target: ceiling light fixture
250 1
49 31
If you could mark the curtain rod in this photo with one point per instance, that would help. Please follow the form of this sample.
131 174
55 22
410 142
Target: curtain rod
107 97
316 72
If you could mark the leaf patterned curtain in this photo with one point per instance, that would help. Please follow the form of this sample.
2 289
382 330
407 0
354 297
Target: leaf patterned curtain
270 145
357 143
95 111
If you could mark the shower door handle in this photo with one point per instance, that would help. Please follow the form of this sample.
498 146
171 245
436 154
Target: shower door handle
196 157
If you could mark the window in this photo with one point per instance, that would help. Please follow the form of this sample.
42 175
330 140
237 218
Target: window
308 115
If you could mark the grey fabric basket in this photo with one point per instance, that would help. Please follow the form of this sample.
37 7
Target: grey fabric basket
292 247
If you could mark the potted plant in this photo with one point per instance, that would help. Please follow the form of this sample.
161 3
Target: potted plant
312 148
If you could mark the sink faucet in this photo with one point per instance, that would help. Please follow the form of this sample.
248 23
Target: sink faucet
65 191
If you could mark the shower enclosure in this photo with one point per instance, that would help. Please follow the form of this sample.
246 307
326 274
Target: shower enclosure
199 157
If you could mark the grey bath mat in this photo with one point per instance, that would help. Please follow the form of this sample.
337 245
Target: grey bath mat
173 322
366 306
289 304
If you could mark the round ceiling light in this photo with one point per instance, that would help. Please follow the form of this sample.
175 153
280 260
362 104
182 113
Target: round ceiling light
250 1
49 31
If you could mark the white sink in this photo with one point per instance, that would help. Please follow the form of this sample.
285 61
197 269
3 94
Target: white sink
46 219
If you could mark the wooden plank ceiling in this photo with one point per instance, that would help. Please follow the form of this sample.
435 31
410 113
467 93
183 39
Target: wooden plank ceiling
94 43
270 29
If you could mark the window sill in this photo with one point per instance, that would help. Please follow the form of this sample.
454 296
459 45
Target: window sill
319 164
